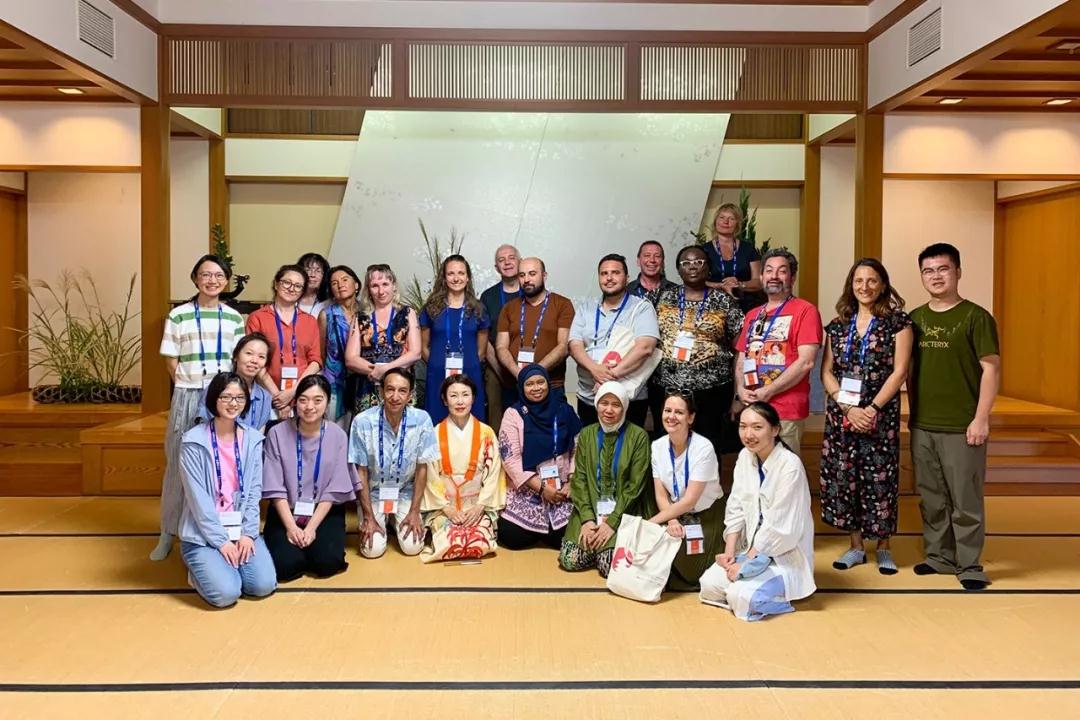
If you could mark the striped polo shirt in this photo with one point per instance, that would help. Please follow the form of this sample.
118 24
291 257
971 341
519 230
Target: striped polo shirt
181 341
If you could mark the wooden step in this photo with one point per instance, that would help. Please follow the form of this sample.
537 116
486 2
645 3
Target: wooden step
1031 475
1031 443
45 469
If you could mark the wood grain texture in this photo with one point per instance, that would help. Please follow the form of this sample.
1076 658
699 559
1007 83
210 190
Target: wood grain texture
154 143
810 225
869 183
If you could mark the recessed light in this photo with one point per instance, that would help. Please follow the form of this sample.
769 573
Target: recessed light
70 91
1058 101
950 101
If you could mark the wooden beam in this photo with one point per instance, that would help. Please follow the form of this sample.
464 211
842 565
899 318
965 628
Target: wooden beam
288 179
897 14
869 183
841 133
999 263
154 136
219 190
72 168
792 184
810 226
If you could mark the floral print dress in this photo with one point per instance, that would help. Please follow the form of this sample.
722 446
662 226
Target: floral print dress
860 472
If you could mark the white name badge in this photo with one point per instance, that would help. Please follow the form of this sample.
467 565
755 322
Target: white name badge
206 381
604 507
233 532
289 374
455 363
526 357
388 499
684 345
850 390
549 474
231 517
304 508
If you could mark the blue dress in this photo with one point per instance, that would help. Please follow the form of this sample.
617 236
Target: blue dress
444 339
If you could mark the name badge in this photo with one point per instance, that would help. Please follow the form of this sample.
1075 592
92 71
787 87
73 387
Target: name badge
455 363
526 357
750 376
684 345
850 390
289 374
388 499
304 508
206 381
549 474
695 539
604 507
230 517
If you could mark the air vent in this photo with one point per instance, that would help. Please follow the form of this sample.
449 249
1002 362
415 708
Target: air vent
97 29
924 38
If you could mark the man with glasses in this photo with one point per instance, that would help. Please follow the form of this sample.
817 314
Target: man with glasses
952 385
610 339
651 279
778 347
499 394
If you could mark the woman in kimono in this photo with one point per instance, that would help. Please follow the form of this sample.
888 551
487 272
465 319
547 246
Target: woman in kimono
536 440
465 488
611 466
309 482
768 558
221 469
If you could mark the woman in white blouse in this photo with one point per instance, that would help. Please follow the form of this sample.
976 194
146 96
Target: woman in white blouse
686 483
768 558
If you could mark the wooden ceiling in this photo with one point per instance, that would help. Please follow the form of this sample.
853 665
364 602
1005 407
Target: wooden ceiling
1023 78
25 75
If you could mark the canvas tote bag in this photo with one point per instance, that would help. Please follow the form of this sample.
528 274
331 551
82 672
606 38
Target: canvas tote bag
619 344
642 561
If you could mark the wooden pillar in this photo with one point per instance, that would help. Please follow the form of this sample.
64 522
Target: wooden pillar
219 189
154 134
810 220
869 183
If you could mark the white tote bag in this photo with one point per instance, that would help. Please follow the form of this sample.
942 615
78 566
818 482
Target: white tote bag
642 561
619 344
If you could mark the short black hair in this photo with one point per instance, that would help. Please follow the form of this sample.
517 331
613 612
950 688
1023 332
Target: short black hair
782 252
403 372
225 268
457 379
247 340
307 381
939 250
645 244
614 257
217 386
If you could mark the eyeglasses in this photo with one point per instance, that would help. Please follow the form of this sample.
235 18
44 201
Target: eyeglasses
698 262
680 392
291 286
232 399
211 276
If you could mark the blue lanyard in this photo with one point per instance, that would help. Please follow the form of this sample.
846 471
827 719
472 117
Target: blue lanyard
198 330
375 327
300 462
675 472
461 321
596 323
217 460
337 328
401 445
614 457
539 321
723 263
555 440
281 334
863 344
502 295
697 312
772 321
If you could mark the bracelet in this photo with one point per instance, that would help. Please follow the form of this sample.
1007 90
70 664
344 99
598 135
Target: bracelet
876 407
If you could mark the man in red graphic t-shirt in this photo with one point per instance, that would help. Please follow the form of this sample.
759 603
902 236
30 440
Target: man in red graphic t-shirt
777 349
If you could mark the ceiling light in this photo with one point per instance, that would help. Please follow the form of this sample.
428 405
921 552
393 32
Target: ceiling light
70 91
1068 45
950 101
1058 101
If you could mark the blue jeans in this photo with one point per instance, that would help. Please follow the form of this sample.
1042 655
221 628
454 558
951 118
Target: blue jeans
219 583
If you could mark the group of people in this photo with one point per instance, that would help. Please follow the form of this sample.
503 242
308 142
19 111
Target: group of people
495 456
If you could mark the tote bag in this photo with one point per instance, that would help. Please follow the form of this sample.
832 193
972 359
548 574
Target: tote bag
619 344
642 561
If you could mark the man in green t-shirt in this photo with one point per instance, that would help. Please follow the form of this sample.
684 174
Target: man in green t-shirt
952 385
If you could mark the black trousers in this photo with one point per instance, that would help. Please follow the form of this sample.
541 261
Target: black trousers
713 412
323 558
515 537
635 413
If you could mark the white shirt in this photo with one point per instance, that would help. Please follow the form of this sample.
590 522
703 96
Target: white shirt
314 309
704 468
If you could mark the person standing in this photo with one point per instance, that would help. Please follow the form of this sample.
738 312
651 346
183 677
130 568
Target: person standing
197 344
317 291
610 339
499 389
778 347
536 327
954 380
453 336
867 355
336 322
651 279
734 266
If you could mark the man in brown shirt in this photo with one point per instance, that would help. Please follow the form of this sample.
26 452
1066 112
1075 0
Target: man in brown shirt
536 327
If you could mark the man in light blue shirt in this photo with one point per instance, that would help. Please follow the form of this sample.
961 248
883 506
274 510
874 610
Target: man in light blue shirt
612 338
390 446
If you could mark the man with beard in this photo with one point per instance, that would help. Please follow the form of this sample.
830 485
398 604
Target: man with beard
598 355
651 279
499 394
536 327
795 325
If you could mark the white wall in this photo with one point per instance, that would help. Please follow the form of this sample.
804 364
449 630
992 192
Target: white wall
209 118
989 144
837 228
1012 188
88 221
290 158
821 124
761 161
966 27
917 213
55 22
189 215
69 134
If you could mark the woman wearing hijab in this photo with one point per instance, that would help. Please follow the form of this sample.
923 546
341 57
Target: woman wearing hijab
536 440
611 466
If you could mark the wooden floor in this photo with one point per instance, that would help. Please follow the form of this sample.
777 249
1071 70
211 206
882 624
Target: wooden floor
96 630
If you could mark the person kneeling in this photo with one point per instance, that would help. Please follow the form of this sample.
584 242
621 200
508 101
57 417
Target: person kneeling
308 480
768 559
466 488
221 469
610 466
390 445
